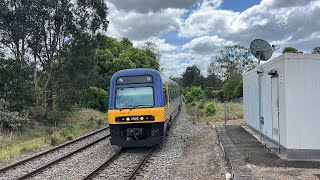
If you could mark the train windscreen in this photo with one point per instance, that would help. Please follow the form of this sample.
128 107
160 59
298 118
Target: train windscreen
134 97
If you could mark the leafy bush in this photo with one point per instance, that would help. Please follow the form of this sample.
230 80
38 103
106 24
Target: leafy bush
201 105
195 93
55 117
218 94
100 99
193 104
211 110
54 139
99 122
11 121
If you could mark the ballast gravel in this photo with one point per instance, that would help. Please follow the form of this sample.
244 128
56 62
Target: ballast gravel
191 151
43 160
190 147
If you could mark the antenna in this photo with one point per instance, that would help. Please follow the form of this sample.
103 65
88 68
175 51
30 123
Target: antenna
261 49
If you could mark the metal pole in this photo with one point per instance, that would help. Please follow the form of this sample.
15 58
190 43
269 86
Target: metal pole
260 73
225 112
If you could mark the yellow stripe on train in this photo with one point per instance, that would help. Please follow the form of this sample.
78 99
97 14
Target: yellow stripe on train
158 114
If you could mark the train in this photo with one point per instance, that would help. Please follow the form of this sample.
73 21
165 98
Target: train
142 106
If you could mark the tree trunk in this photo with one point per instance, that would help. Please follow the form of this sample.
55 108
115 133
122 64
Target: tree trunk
49 89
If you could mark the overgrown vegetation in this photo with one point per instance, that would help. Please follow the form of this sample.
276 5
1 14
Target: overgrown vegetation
41 136
213 113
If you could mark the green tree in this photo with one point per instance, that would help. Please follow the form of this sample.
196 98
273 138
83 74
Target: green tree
126 42
74 74
232 61
218 95
291 50
15 26
238 91
316 50
192 77
212 81
229 87
16 85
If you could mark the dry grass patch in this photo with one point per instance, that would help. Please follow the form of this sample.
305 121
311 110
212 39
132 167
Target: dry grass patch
43 136
235 113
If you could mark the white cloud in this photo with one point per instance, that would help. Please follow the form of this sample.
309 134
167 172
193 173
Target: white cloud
161 43
283 22
151 5
140 26
206 44
271 20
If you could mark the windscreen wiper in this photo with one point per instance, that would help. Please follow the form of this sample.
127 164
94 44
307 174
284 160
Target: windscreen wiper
140 105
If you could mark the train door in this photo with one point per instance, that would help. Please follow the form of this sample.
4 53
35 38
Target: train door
275 108
166 101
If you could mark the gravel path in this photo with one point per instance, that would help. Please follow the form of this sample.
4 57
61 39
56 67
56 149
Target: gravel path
189 148
43 160
202 158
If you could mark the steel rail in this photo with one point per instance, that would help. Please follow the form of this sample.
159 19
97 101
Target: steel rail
104 165
30 174
139 166
11 166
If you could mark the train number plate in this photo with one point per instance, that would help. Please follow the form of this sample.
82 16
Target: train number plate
135 118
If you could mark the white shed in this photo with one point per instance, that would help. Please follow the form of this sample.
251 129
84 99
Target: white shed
290 104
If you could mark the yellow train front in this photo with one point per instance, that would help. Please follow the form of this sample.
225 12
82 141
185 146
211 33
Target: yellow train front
142 105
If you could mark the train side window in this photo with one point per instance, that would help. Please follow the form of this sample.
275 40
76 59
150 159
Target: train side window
164 96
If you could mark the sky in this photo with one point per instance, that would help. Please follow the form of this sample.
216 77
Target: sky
192 32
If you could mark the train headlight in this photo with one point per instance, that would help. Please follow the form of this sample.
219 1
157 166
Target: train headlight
135 118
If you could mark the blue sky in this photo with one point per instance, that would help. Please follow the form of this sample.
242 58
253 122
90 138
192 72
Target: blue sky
192 32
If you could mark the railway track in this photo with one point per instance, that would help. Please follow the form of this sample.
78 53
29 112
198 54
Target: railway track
32 172
128 175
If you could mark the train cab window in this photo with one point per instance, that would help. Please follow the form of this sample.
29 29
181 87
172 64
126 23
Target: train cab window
134 97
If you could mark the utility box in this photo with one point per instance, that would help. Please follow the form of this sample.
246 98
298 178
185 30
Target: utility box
290 95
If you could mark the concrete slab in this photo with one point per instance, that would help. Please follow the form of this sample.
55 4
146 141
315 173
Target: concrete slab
239 168
246 144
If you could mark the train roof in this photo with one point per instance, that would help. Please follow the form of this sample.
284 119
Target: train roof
141 71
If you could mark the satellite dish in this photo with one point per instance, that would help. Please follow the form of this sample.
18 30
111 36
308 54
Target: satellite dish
261 49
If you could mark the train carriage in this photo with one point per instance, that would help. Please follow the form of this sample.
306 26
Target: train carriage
142 105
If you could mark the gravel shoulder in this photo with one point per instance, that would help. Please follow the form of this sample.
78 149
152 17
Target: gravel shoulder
191 151
202 158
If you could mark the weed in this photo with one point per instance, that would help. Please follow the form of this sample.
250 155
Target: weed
70 136
99 122
201 105
247 157
54 139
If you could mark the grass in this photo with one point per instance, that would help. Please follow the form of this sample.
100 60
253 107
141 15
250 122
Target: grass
235 113
41 136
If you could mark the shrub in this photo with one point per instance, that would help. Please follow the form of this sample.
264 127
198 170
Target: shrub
54 139
193 104
70 136
55 117
211 110
99 99
99 122
201 105
195 93
11 121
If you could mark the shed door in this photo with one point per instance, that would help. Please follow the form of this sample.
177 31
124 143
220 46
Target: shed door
275 108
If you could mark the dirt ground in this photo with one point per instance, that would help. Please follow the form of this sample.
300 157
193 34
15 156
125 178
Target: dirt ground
202 158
